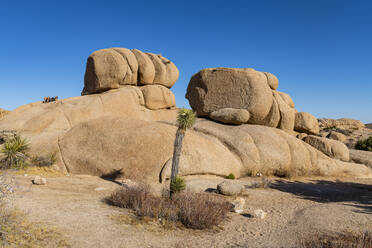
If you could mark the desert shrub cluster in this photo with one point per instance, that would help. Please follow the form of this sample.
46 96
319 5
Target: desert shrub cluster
365 145
341 240
193 210
14 154
15 151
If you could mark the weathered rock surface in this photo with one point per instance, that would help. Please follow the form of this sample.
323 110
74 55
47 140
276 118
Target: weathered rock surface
214 89
332 148
128 129
301 136
306 123
230 187
39 180
353 130
337 136
158 97
361 157
230 116
343 123
112 68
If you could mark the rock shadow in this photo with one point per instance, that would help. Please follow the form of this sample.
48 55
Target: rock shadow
350 194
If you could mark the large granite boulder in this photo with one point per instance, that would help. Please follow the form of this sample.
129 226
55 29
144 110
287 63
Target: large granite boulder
332 148
361 157
128 126
306 123
343 123
158 97
112 68
230 116
218 88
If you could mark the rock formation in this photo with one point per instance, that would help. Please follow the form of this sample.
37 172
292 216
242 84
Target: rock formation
113 68
213 89
125 123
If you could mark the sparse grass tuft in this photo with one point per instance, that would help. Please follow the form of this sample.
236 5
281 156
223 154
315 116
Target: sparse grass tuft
365 145
41 171
44 161
230 176
193 210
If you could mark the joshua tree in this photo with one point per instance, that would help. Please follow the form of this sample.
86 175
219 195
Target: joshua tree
185 120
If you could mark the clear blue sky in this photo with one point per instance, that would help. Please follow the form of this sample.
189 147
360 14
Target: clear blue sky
321 50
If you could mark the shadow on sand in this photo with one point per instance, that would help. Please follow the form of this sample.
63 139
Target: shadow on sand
349 193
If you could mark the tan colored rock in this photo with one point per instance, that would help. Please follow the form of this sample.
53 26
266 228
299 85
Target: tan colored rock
287 99
272 81
343 123
146 69
238 205
273 118
160 68
331 148
337 136
105 70
158 97
230 187
141 149
39 180
361 157
230 116
216 88
132 71
301 136
172 72
287 114
306 123
271 151
102 133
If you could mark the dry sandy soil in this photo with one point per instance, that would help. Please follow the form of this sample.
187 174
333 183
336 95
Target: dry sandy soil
75 206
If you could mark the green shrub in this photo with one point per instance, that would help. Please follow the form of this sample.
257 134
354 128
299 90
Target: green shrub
365 145
177 185
15 151
230 176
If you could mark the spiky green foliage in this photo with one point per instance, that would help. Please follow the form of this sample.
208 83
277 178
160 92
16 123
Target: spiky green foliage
15 151
186 118
365 145
177 184
230 176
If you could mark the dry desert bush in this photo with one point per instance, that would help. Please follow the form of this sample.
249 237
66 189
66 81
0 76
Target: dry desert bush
342 240
193 210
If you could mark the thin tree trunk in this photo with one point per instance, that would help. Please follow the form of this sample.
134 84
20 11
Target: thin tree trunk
177 154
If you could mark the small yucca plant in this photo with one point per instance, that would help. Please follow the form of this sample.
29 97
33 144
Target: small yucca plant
15 151
185 119
177 184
